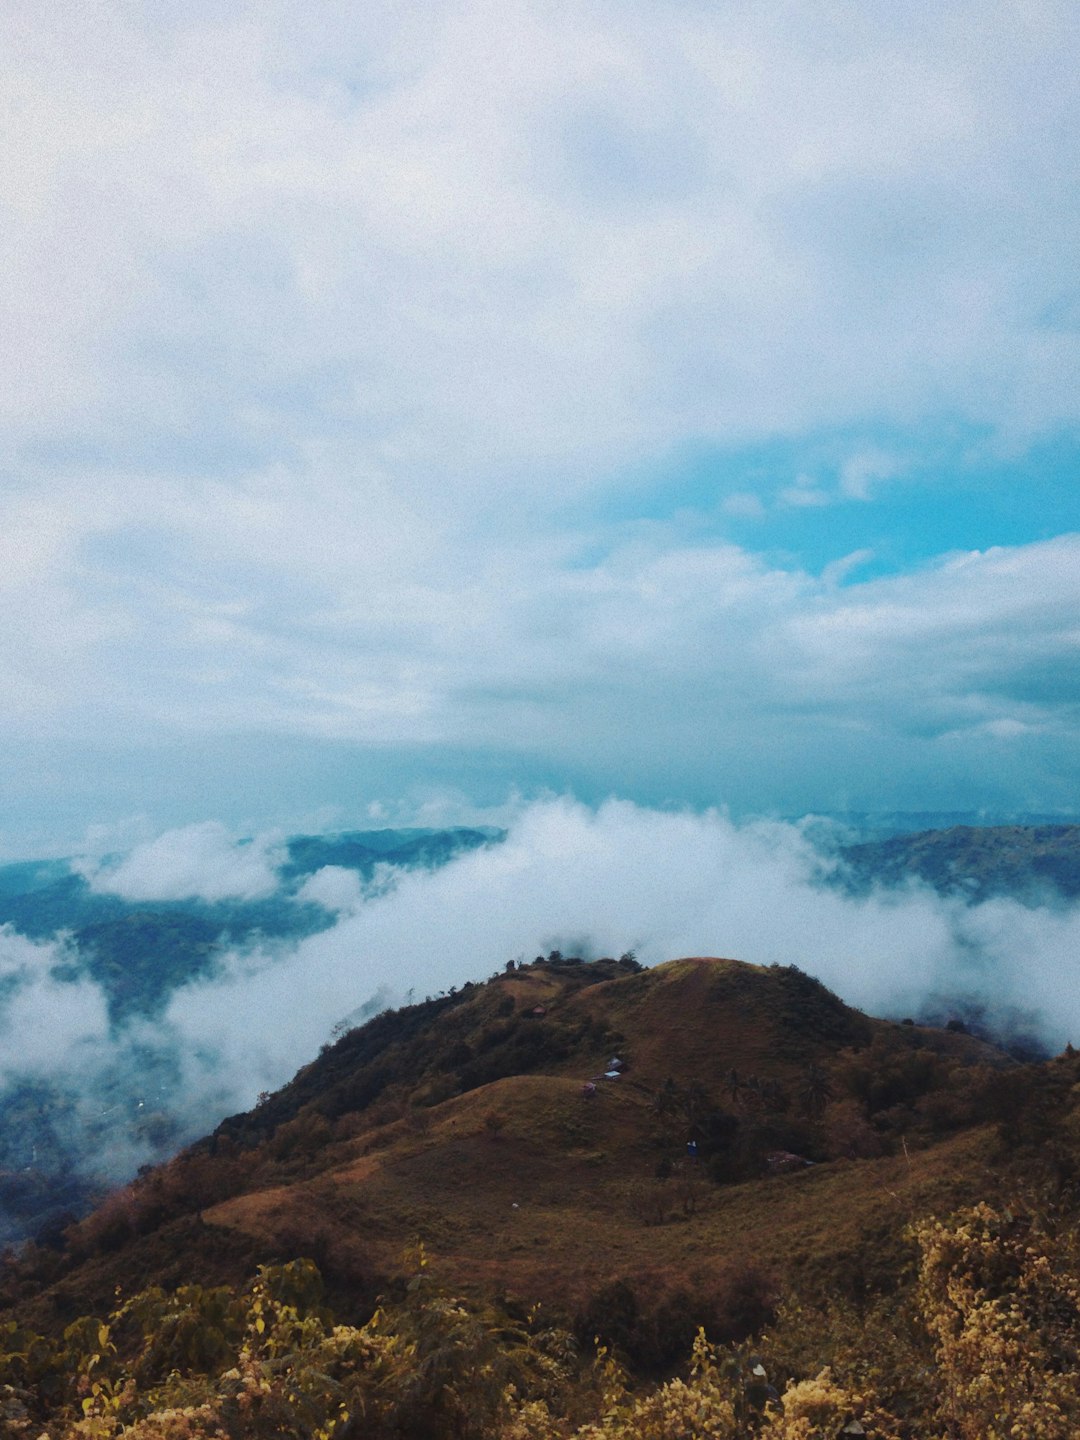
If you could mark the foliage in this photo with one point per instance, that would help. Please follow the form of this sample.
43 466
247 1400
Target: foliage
652 1332
984 1345
1000 1294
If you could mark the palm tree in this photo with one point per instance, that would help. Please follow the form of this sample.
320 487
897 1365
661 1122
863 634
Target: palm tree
816 1091
667 1099
694 1103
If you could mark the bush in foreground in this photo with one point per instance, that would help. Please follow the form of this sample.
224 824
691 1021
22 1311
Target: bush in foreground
993 1351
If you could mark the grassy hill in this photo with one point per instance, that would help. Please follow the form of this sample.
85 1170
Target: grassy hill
470 1122
759 1150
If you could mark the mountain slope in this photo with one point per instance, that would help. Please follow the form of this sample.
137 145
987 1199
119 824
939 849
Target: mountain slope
466 1123
1028 862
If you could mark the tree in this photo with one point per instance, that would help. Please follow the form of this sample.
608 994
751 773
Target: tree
816 1091
666 1101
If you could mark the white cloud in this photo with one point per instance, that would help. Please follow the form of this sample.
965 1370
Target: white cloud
860 473
805 494
45 1021
487 235
622 877
839 570
333 887
318 328
202 861
622 657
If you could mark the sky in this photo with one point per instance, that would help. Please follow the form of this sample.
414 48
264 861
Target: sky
412 411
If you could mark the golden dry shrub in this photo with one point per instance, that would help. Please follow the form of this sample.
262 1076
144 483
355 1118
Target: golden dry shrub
191 1422
724 1399
820 1409
700 1408
1001 1300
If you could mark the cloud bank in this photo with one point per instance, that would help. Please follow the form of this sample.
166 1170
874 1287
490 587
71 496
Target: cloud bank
664 885
47 1023
506 231
333 887
203 862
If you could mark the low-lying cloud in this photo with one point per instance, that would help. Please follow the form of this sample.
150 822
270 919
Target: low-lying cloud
569 877
334 887
195 862
664 885
46 1022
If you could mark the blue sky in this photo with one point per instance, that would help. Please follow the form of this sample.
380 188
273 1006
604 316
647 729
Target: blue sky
907 498
407 408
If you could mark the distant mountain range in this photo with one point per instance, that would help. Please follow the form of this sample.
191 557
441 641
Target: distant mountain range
1032 863
881 824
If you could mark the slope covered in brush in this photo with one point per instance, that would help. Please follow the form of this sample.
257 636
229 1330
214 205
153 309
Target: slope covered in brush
585 1154
563 1125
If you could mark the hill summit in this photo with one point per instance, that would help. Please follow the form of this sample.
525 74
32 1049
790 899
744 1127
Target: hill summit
559 1125
614 1156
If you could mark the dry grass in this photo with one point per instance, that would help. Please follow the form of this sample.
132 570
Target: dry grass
524 1186
550 1210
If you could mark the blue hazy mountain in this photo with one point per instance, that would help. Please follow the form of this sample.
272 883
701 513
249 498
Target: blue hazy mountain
1031 863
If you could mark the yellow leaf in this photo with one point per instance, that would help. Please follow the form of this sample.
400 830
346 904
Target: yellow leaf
260 1325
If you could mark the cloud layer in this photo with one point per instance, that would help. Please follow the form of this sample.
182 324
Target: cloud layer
662 884
511 232
196 862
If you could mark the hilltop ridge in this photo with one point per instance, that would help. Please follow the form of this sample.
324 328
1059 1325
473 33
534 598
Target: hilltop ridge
576 1155
534 1131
